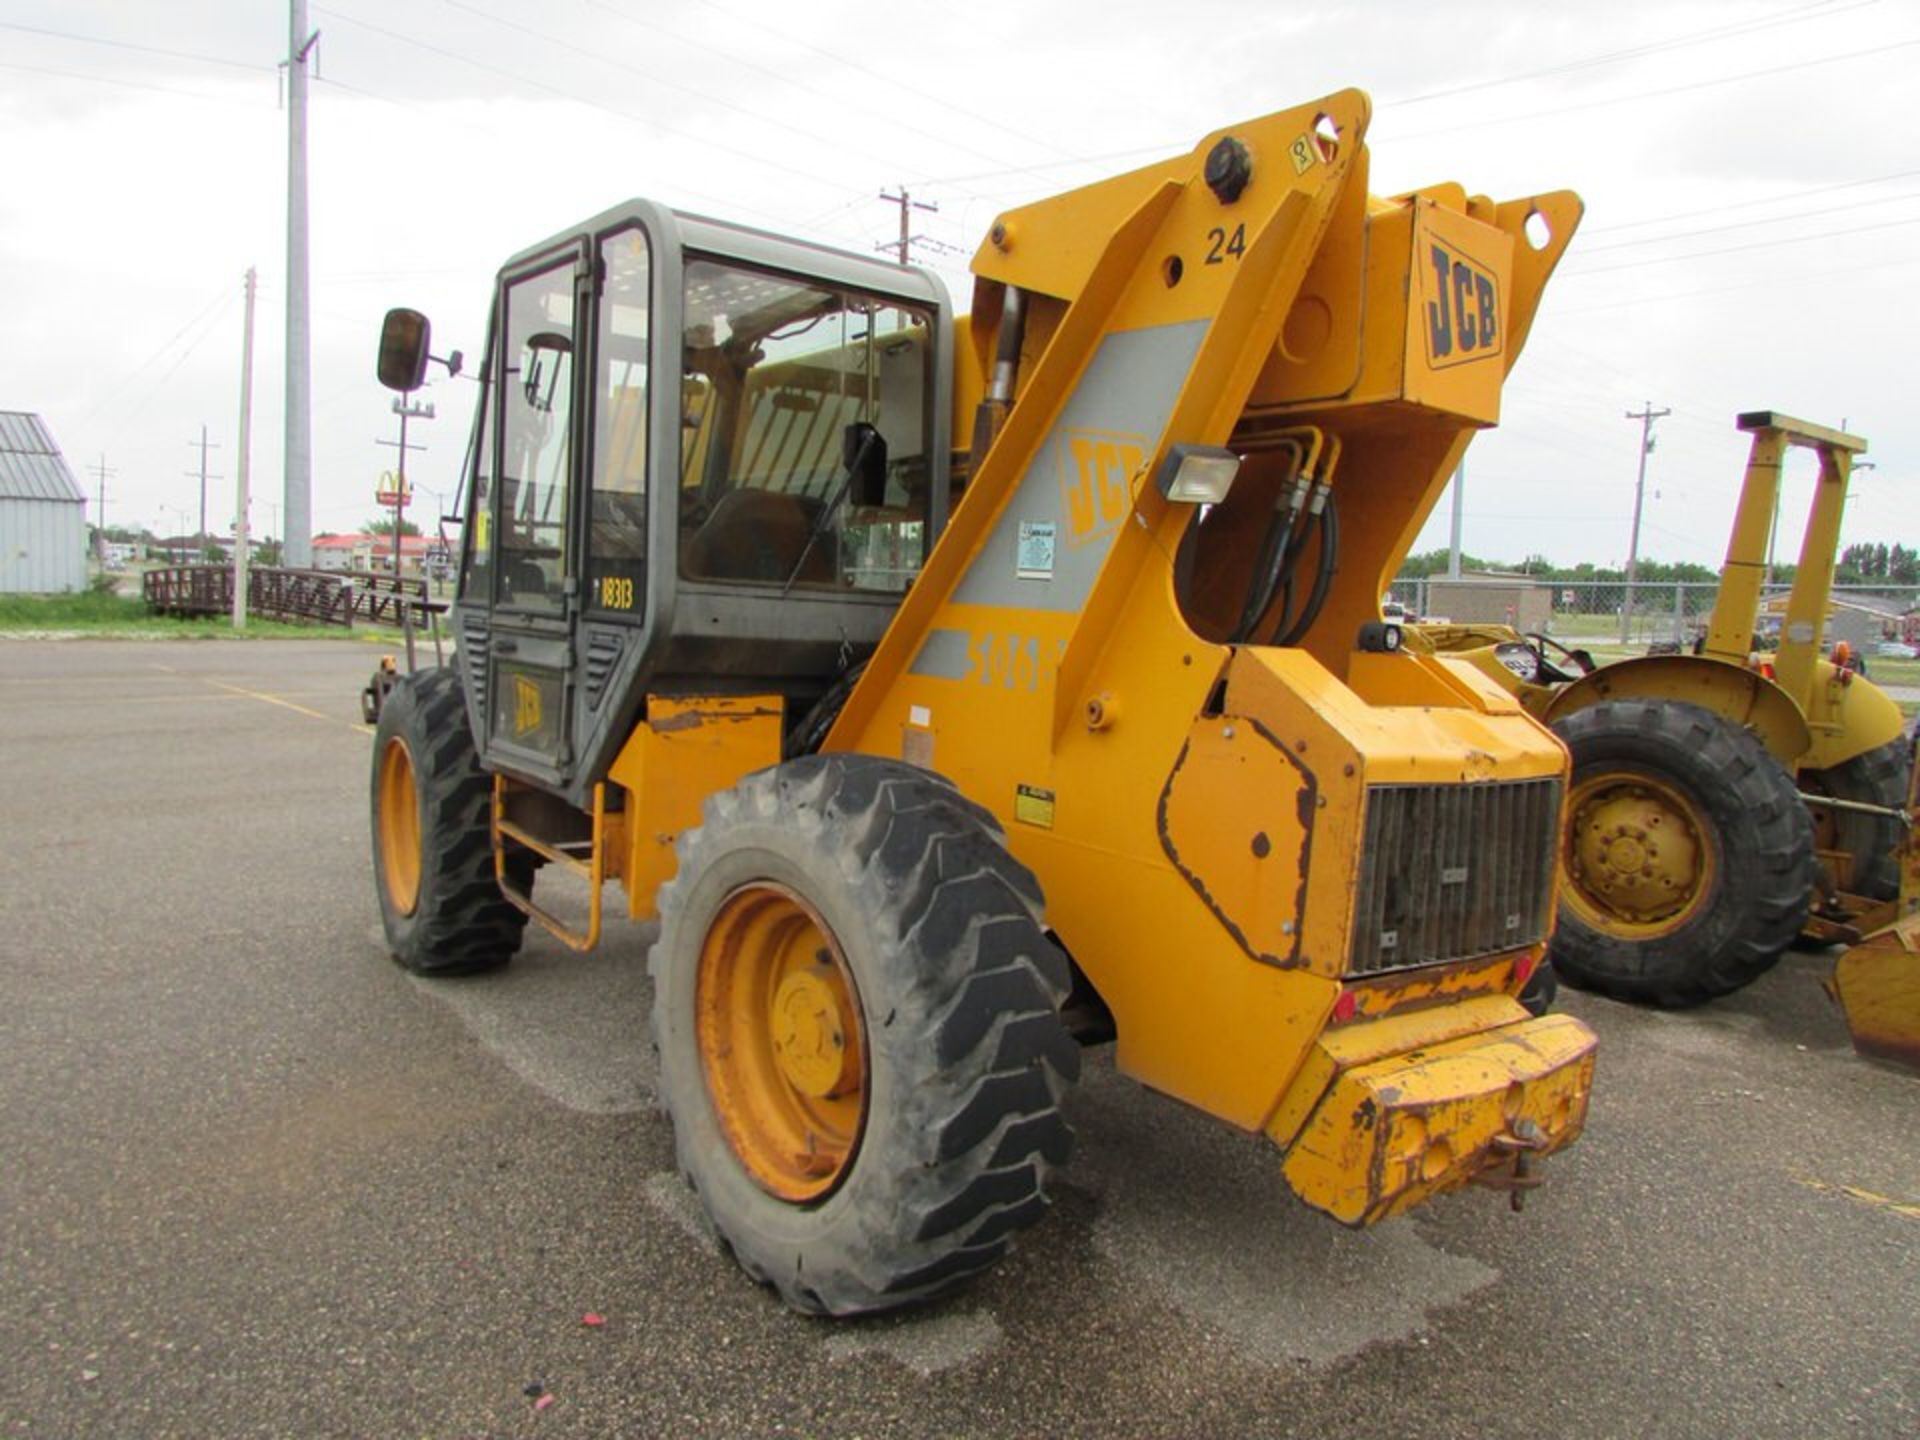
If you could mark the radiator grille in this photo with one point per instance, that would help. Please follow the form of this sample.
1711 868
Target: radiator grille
1454 871
603 653
474 636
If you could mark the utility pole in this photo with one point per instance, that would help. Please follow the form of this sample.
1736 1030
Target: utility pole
1646 415
242 540
298 540
406 410
904 245
1459 512
100 474
204 445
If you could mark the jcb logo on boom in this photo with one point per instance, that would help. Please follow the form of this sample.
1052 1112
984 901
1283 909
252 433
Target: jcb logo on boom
1463 308
1096 480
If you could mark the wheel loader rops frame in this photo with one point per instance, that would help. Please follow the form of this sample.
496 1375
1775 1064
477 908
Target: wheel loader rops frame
956 689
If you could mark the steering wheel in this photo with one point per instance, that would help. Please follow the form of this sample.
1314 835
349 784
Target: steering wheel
1580 660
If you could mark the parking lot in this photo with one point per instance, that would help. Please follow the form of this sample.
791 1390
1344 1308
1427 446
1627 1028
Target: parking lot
256 1181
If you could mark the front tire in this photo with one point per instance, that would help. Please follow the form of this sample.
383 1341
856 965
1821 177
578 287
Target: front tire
857 1016
440 902
1688 863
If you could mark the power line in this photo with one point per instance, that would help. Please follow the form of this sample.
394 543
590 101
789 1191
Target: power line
1656 47
1749 224
1873 51
1771 282
76 36
81 75
919 95
1747 204
115 393
1739 249
1607 57
708 96
840 97
518 78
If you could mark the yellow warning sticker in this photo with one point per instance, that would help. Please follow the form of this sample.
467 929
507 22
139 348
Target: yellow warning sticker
1033 806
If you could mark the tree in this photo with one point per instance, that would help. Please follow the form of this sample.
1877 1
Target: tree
384 526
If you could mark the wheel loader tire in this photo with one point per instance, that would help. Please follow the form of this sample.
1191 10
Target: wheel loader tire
432 849
1879 777
857 1020
1541 990
1688 861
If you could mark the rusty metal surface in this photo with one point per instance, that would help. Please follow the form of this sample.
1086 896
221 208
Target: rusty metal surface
310 596
1877 985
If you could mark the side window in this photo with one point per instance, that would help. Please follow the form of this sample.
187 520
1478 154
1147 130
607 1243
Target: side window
805 412
477 578
617 536
535 404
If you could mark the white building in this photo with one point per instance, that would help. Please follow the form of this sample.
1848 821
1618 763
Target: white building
43 519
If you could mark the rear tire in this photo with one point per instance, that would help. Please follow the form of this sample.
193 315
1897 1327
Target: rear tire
440 902
1688 863
1879 777
931 1148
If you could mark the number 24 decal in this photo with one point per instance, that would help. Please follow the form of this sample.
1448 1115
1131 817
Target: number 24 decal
1221 245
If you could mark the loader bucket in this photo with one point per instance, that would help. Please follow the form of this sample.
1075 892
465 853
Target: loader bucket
1877 985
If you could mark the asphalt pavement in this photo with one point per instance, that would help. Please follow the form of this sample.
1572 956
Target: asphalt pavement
256 1181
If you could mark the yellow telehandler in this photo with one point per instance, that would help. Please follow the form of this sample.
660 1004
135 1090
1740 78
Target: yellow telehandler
1730 801
959 690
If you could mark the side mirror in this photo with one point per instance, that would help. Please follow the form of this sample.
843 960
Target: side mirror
405 337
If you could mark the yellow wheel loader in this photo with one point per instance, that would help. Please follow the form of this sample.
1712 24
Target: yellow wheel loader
956 691
1727 802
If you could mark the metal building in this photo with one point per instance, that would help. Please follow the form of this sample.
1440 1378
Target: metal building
43 521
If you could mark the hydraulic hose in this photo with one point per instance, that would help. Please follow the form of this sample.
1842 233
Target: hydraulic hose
1323 577
1271 565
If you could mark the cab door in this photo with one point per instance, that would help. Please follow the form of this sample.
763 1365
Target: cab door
534 449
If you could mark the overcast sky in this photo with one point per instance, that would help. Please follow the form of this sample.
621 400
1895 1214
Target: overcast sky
1751 172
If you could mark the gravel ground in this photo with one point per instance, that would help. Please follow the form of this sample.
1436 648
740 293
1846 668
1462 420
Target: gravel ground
258 1182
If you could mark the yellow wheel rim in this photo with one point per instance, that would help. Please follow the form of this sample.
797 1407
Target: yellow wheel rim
399 827
782 1041
1640 858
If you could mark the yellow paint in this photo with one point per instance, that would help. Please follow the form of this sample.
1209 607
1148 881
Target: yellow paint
1397 1131
1905 1209
526 706
511 832
1176 865
782 1041
1877 984
686 749
1640 856
397 813
1743 696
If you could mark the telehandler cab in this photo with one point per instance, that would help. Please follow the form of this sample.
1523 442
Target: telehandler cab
958 690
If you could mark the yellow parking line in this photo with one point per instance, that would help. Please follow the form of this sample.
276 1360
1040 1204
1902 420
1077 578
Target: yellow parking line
1867 1197
357 726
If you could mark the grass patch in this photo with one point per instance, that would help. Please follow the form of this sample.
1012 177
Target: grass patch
107 615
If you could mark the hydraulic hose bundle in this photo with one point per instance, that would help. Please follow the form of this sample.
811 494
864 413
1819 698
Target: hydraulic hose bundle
1309 510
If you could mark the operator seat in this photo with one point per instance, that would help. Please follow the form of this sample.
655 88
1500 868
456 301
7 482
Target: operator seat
759 535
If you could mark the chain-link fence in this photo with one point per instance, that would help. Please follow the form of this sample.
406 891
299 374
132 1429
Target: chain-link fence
1600 615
